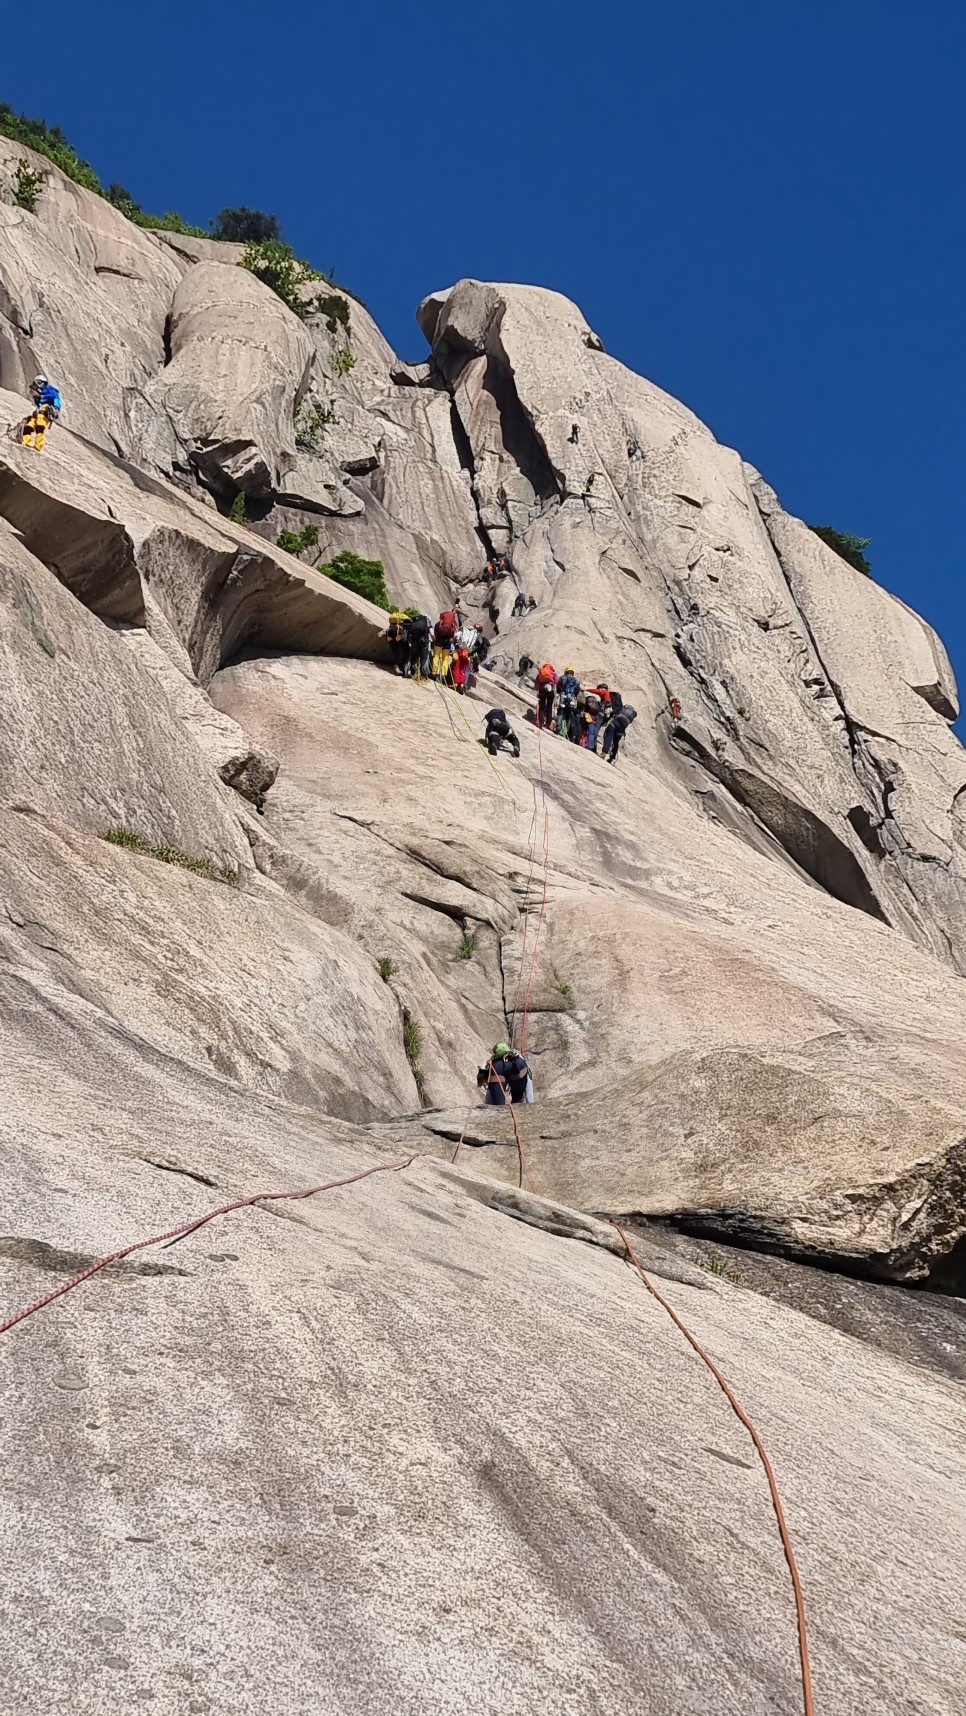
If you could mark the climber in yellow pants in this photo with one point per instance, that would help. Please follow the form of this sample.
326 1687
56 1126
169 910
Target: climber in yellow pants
46 400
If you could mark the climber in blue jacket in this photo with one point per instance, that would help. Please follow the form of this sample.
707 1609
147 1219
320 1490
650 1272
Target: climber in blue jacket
47 406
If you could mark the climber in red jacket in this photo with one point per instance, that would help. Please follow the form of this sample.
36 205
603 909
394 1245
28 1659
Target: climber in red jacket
546 686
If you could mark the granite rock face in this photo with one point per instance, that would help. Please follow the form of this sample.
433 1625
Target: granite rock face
428 1424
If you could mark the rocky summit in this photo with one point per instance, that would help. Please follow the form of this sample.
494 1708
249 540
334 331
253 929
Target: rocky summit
424 1441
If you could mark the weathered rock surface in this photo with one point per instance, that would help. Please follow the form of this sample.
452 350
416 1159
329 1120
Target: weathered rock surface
403 1423
797 1075
743 1009
239 365
83 294
647 546
114 535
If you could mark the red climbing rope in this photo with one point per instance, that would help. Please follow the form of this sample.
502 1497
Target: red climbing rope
532 854
494 1077
192 1227
186 1228
543 900
806 1674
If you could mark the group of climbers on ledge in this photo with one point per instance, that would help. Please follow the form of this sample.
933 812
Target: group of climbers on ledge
582 715
453 651
450 651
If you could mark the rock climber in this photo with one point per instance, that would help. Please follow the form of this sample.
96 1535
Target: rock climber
568 690
615 730
574 436
506 1074
480 650
397 634
589 708
460 669
47 407
488 573
499 732
524 665
674 706
419 645
546 686
444 640
520 605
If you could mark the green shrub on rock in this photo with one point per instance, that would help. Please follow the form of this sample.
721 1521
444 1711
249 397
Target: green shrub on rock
27 186
366 577
845 545
277 265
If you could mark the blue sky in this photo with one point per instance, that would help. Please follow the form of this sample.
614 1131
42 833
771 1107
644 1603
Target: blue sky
757 204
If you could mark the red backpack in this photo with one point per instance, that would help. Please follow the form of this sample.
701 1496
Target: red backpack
546 676
446 624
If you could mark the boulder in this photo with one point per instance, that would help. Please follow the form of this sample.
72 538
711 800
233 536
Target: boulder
113 534
239 365
89 739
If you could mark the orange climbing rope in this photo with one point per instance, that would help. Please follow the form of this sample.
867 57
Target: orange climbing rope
192 1226
808 1705
532 855
543 900
402 1163
185 1228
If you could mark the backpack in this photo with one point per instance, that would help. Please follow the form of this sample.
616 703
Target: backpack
546 676
446 624
516 1073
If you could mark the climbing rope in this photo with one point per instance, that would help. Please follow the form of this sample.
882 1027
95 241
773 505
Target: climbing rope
495 1077
474 738
543 899
808 1706
532 856
192 1227
400 1165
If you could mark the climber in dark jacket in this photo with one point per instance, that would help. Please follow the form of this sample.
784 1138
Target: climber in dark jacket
419 645
505 1074
615 731
499 732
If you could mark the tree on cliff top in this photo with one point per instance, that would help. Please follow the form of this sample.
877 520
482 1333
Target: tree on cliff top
845 545
246 226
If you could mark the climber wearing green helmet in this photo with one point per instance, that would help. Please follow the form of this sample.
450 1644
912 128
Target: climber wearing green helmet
506 1074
